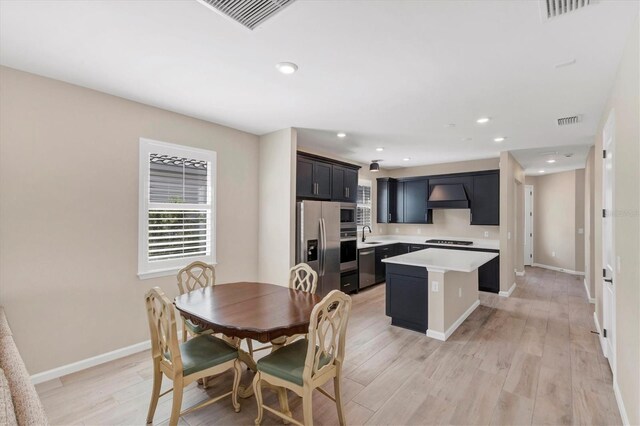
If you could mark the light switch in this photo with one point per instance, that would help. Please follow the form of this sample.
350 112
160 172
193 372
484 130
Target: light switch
486 234
459 292
434 286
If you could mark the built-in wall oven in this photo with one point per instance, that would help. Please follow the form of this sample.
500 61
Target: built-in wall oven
348 249
347 216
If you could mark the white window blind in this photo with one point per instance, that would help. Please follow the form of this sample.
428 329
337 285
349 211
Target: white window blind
363 209
176 208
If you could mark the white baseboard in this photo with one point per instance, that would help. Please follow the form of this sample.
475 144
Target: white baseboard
507 293
520 273
623 411
586 287
555 268
603 344
438 335
89 362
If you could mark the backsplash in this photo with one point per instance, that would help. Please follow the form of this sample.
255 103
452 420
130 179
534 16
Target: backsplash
446 223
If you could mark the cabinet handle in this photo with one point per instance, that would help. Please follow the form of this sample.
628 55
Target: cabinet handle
347 192
315 188
389 219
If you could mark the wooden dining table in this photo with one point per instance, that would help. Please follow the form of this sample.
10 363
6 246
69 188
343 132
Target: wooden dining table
249 310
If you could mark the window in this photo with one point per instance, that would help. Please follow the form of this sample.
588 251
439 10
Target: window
363 209
176 216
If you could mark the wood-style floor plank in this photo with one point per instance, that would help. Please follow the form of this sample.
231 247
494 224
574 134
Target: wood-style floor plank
527 359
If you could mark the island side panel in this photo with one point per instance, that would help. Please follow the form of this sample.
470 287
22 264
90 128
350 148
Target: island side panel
407 296
456 297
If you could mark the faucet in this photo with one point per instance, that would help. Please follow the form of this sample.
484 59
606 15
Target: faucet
363 237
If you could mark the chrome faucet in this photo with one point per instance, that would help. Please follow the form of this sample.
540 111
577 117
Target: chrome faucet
363 237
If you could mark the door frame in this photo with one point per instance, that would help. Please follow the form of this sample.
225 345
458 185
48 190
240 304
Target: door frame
528 224
609 301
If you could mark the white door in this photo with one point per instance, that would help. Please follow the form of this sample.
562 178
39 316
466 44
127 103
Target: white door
528 225
608 247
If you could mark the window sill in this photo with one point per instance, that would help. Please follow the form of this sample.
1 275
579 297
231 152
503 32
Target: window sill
162 272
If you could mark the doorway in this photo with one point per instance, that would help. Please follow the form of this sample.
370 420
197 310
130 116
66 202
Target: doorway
528 225
608 246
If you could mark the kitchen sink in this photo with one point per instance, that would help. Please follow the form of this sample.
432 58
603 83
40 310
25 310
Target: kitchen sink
373 242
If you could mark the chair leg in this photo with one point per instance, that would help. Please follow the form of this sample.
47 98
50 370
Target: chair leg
307 409
176 406
257 391
284 403
338 394
237 371
250 346
184 332
155 392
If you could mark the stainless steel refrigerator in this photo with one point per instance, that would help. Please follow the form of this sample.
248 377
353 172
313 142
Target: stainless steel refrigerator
318 241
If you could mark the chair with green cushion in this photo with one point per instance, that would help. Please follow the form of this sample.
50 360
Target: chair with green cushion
307 364
184 363
194 276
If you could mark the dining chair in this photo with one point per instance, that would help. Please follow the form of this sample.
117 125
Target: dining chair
194 276
307 364
184 363
302 278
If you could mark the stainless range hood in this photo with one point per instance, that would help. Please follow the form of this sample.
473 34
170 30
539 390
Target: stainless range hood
448 196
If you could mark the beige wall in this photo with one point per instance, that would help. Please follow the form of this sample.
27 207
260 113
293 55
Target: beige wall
624 101
445 305
558 212
277 199
589 222
446 222
511 226
69 214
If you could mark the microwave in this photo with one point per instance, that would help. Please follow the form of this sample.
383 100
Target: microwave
347 215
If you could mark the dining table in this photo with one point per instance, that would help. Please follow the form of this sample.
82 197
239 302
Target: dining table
263 312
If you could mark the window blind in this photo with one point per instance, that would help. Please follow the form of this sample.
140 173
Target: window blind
363 208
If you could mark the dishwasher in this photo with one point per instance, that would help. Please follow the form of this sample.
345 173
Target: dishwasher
367 268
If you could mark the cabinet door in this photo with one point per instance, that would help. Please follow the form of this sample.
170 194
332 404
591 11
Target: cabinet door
402 248
406 297
381 268
338 190
304 178
415 201
322 178
485 204
417 247
351 185
489 276
387 200
400 200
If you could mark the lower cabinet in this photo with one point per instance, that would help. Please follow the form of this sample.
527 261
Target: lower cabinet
349 281
382 253
406 296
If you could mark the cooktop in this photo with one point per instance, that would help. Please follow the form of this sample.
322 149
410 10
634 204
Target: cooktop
452 242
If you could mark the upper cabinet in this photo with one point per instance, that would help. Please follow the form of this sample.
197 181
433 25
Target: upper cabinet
325 179
345 184
408 200
485 203
403 201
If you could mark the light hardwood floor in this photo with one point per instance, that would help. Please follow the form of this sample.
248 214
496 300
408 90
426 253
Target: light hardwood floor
527 359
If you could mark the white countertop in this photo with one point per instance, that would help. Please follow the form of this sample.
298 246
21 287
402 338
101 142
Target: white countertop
443 260
479 243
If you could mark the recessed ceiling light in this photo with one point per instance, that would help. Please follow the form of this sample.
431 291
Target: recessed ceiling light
540 171
499 139
341 135
551 161
379 149
406 159
286 67
466 139
483 120
451 125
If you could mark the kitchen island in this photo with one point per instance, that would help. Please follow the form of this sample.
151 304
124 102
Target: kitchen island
433 290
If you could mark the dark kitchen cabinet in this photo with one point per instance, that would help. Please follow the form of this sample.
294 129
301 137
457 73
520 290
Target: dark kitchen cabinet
382 253
489 276
344 184
417 247
402 248
407 292
349 282
485 204
387 200
322 176
415 202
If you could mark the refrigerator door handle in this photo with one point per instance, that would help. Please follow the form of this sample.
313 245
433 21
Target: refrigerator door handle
321 248
323 232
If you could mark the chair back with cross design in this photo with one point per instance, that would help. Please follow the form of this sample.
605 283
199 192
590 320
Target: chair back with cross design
196 275
162 327
302 277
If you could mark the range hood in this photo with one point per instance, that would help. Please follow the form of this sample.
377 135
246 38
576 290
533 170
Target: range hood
448 196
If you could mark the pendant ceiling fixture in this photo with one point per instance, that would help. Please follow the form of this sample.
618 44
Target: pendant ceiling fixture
374 166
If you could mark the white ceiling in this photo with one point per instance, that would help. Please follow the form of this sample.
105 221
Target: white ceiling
535 160
389 73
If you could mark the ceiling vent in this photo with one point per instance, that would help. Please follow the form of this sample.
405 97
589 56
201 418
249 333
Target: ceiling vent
566 121
555 8
249 13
